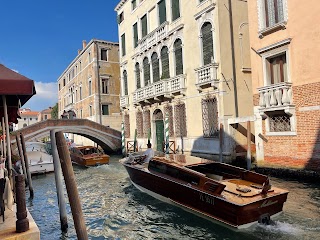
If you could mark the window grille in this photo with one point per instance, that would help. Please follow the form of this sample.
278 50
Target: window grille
168 109
210 119
139 122
155 67
207 43
127 125
180 120
165 63
178 56
146 123
146 71
279 122
137 69
158 115
125 82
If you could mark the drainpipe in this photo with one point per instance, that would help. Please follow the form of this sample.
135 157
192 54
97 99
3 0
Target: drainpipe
233 60
99 87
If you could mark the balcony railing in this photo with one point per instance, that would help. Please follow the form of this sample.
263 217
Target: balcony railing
152 38
166 88
275 96
207 75
124 101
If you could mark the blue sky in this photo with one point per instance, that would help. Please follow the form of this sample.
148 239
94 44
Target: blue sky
39 38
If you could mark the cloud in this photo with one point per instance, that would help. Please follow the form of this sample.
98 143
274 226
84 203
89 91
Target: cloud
46 96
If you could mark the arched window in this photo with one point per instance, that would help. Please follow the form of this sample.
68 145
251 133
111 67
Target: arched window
146 71
165 63
207 43
125 82
155 67
137 70
178 56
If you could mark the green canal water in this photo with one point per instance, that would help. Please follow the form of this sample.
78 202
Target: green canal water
114 209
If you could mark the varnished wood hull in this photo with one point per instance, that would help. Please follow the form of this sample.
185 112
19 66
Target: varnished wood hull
215 207
90 161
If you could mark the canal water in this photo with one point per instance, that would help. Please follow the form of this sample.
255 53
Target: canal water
114 209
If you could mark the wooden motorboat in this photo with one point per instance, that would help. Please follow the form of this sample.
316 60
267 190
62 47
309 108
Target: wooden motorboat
230 195
88 156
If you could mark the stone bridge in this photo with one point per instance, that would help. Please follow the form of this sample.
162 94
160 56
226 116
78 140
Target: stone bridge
108 138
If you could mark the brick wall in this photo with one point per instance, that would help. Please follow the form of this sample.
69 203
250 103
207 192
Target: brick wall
302 150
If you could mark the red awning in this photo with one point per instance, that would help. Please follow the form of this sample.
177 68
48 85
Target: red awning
17 88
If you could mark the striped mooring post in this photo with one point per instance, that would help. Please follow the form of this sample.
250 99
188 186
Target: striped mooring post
166 126
123 147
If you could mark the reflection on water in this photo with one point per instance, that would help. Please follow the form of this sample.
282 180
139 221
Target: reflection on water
114 209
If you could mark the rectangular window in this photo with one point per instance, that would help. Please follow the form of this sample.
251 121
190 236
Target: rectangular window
105 109
90 110
144 26
104 85
134 4
135 35
175 7
162 11
210 120
81 113
273 12
120 18
123 44
277 69
45 117
89 57
80 93
104 54
90 87
279 121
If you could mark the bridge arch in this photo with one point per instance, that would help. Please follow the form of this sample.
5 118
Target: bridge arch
108 138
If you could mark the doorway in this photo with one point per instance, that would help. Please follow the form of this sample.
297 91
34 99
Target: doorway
159 134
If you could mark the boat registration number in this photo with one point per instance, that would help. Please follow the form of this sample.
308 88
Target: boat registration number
206 199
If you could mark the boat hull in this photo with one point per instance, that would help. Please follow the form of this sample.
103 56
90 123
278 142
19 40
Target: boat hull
214 207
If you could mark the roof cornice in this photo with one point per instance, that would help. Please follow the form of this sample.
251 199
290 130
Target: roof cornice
120 4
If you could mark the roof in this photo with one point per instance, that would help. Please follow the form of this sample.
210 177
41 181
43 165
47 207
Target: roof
48 110
29 113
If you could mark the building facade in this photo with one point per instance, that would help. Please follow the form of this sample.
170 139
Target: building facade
89 87
189 61
286 81
44 114
27 118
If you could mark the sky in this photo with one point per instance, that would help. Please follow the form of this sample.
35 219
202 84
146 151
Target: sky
40 38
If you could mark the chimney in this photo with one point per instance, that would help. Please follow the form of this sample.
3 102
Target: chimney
79 51
84 44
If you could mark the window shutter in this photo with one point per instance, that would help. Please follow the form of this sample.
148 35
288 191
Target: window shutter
137 68
144 25
162 11
125 82
135 35
146 71
175 9
178 56
155 67
207 43
123 44
165 63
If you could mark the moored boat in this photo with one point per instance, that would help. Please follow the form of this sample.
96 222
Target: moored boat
230 195
88 156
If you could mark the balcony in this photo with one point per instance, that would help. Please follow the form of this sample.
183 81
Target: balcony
152 38
124 101
276 97
207 76
166 88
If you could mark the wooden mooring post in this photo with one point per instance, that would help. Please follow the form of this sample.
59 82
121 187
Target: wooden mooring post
23 164
23 144
71 186
59 183
220 142
22 223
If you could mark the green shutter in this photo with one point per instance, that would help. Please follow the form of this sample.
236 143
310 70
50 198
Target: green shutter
125 82
135 35
178 56
162 11
137 67
165 63
123 44
146 71
207 43
175 9
144 25
155 67
105 109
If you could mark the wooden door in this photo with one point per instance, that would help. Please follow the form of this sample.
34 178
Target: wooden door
159 134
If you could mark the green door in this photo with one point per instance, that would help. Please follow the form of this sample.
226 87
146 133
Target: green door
159 134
